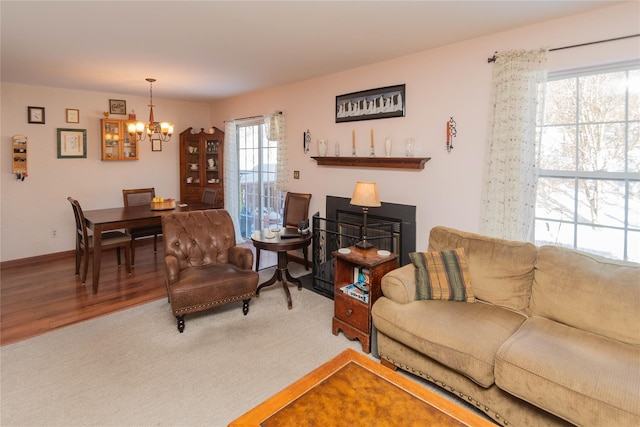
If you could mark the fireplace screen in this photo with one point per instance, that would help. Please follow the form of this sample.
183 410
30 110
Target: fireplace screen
331 235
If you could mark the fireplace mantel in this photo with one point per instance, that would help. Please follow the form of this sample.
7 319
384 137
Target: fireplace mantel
374 162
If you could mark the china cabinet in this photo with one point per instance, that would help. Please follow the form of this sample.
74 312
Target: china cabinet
117 143
201 165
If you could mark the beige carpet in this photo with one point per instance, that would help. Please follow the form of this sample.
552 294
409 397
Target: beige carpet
133 368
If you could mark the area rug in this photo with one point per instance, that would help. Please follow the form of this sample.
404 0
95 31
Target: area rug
133 368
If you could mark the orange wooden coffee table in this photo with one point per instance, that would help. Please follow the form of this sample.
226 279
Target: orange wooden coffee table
353 390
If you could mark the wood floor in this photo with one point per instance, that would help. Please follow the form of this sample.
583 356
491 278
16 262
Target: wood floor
43 294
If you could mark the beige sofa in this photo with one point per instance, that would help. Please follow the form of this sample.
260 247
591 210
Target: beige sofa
554 334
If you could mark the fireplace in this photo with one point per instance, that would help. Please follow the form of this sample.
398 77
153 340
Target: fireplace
391 226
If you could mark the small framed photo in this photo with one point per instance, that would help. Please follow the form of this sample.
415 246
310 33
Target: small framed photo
73 115
156 144
35 115
117 106
72 143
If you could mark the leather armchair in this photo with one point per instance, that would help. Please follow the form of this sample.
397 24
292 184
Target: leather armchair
204 267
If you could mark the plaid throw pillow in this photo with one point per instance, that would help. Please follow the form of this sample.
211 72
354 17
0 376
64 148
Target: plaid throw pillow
442 275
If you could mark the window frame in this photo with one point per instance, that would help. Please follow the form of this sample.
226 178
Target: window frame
576 175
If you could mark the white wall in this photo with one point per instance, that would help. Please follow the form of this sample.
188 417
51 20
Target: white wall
33 207
450 81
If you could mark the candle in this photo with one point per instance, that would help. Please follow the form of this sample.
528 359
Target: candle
448 133
353 139
371 137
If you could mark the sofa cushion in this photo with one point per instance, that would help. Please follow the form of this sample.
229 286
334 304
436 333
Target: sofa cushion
463 337
442 275
582 377
501 270
588 292
194 290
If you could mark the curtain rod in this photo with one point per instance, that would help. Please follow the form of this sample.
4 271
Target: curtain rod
493 58
253 117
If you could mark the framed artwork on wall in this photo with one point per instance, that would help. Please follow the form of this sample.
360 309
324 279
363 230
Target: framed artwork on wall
72 143
73 115
117 106
156 144
381 103
35 115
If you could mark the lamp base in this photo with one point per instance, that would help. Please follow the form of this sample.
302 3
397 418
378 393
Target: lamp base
363 244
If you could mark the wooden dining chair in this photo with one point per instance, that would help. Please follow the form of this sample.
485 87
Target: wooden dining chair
209 196
84 243
140 197
296 209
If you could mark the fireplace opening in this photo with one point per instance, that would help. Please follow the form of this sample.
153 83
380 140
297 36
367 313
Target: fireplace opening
391 227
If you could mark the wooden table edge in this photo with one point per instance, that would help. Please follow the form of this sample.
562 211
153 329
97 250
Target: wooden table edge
284 397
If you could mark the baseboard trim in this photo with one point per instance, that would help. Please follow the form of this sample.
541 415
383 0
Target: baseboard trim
23 262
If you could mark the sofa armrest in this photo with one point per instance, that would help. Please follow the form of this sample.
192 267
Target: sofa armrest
241 257
399 285
171 269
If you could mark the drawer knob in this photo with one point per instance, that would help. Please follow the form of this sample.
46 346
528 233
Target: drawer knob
349 312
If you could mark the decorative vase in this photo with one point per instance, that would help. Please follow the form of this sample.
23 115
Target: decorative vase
322 147
387 147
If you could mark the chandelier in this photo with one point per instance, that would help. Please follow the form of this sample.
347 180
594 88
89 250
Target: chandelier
153 129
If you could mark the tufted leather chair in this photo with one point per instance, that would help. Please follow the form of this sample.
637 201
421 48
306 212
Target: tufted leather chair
203 265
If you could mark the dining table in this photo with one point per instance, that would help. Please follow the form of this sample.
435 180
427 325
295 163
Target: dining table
100 220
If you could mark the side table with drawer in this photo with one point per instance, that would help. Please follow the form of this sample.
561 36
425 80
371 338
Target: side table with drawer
352 315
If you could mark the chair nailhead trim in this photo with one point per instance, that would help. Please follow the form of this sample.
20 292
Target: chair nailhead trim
213 303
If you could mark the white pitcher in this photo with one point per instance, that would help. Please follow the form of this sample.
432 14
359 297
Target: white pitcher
322 147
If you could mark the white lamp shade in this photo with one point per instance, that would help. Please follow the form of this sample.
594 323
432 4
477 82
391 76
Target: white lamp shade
365 194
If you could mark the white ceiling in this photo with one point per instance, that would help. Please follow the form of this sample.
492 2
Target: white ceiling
202 50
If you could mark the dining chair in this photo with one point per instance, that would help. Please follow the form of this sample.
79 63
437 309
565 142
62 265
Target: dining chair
209 196
296 210
140 197
84 243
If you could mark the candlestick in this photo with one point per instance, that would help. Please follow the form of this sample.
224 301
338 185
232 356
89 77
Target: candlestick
448 132
372 138
353 142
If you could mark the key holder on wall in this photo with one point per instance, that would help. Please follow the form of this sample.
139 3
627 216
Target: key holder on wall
19 157
451 133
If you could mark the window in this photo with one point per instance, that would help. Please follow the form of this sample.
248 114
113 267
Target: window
588 195
261 204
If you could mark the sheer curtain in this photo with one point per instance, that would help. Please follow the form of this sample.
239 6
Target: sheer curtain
276 130
509 186
231 177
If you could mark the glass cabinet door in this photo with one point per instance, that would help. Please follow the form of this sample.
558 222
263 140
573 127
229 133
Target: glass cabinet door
212 159
111 140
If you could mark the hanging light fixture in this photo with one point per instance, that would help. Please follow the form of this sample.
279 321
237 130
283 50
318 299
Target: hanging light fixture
153 129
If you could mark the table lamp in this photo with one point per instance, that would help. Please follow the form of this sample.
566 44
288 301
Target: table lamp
366 195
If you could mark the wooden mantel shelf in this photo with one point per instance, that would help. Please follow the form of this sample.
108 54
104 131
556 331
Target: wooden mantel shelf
374 162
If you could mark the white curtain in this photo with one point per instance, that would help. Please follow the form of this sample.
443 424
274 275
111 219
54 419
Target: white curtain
509 186
276 130
231 177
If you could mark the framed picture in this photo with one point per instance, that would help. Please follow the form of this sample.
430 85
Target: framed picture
381 103
35 115
156 144
72 143
73 115
117 106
